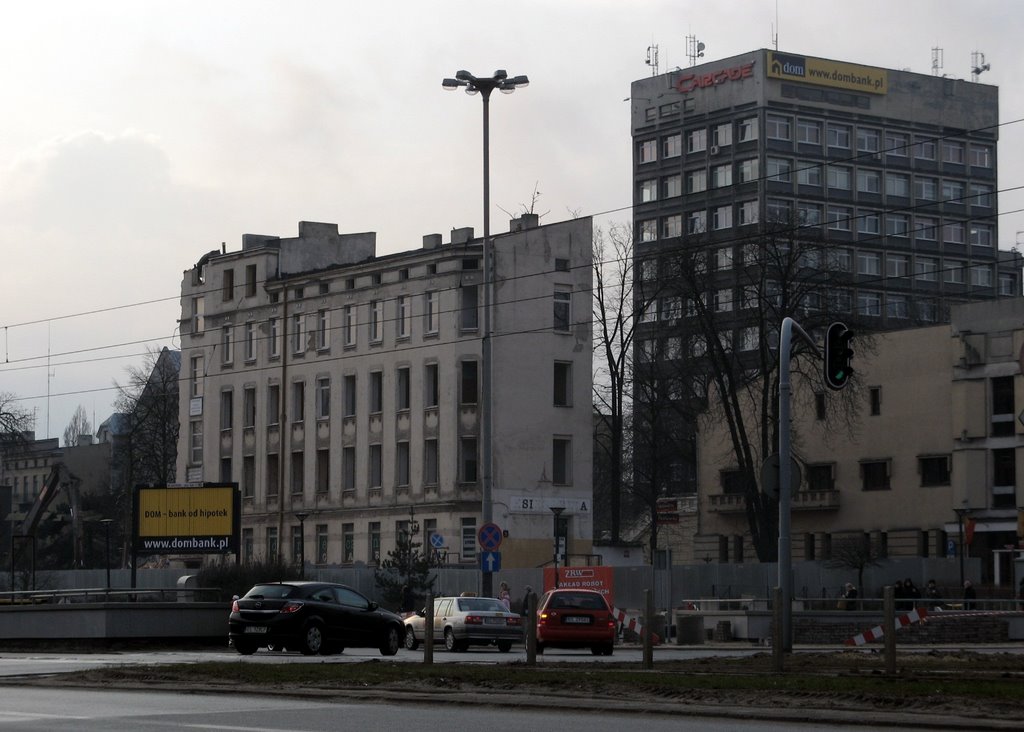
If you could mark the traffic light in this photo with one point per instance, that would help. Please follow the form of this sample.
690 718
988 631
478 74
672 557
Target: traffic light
837 355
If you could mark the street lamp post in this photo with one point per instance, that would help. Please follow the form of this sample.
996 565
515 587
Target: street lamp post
106 528
557 511
484 86
302 516
960 513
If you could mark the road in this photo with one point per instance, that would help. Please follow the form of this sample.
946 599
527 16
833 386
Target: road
49 710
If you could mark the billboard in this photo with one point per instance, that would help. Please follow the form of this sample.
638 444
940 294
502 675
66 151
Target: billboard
600 579
188 519
810 70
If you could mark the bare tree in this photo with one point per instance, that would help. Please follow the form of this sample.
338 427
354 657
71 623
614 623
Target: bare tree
856 553
730 300
14 418
78 426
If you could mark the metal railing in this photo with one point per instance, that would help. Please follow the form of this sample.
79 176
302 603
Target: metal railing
102 594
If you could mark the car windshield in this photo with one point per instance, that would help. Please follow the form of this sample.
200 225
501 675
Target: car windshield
271 591
577 601
479 604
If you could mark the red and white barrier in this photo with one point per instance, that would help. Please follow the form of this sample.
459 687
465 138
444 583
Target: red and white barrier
902 621
632 623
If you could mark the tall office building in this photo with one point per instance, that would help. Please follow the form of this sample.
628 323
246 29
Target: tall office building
891 174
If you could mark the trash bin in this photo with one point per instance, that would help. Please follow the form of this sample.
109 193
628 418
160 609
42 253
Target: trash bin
689 629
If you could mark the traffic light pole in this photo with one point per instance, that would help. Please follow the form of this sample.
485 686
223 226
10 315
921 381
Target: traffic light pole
789 328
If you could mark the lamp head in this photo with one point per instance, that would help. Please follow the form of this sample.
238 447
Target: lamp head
463 75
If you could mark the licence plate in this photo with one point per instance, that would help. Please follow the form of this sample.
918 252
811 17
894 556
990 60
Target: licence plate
577 619
256 629
494 621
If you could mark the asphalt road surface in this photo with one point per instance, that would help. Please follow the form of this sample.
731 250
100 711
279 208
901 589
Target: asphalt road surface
81 710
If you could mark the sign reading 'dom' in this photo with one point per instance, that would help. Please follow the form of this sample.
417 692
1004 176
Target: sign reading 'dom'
203 519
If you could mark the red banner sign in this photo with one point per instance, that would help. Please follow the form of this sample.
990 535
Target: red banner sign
688 82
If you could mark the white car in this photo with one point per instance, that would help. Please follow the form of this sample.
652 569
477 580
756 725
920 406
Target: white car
463 621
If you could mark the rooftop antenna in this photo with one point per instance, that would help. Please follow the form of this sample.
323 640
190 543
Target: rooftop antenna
978 65
694 49
652 59
937 61
775 28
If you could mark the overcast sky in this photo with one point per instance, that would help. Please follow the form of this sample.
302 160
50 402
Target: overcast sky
135 136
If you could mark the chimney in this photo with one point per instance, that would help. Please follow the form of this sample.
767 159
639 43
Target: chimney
463 235
526 221
431 241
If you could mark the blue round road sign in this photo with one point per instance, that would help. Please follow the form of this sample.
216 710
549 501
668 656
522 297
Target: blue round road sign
436 541
489 537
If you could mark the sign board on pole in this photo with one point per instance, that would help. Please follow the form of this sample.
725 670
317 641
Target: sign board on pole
490 561
188 519
489 537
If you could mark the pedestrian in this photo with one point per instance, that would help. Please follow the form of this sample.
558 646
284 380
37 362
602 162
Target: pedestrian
911 593
969 595
504 595
524 608
898 594
849 601
931 593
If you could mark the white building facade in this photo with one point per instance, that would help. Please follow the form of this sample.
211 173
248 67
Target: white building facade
342 391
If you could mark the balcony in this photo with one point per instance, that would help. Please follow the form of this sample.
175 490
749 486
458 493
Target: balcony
728 503
815 500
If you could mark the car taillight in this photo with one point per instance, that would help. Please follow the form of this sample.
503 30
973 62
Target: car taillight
291 607
234 606
514 621
543 619
474 620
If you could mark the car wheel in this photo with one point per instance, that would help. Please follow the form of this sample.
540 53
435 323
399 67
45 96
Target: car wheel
597 650
313 640
608 648
391 642
504 646
450 644
246 648
411 643
540 648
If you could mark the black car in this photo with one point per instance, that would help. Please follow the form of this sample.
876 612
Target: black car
311 617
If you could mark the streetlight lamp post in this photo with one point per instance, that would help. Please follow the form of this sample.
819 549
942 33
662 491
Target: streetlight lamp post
484 86
960 513
302 516
106 528
557 511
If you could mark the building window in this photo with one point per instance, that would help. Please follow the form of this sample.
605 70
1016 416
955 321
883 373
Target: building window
404 316
647 151
697 222
323 471
897 185
376 467
927 228
839 136
672 146
563 384
953 191
778 170
875 475
672 226
897 265
373 532
838 177
924 148
196 376
297 343
746 129
952 152
376 392
468 384
927 269
981 275
323 398
897 306
323 328
273 550
648 191
402 389
721 176
298 401
469 314
777 128
228 286
896 144
875 400
696 181
697 140
808 132
721 218
648 230
821 477
561 461
934 470
430 312
249 407
195 441
981 235
808 174
348 468
1004 478
248 547
273 403
839 218
1008 285
869 263
227 409
226 354
721 135
431 385
748 213
954 232
348 326
298 472
402 464
869 304
980 156
348 543
869 181
250 341
273 476
867 140
981 195
376 321
321 543
430 461
869 223
897 225
562 306
926 189
468 460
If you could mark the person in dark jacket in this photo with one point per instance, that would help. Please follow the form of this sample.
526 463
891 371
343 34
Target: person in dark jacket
969 595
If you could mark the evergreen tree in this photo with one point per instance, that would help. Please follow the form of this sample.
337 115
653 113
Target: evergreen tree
405 565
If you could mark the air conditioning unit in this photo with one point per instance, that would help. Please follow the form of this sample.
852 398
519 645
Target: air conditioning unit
714 150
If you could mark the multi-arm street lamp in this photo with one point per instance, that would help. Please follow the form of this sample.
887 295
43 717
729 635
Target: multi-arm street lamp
484 86
302 516
106 528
